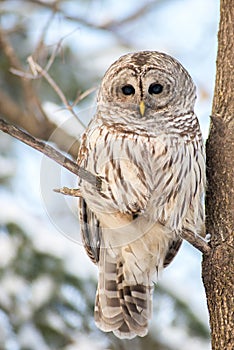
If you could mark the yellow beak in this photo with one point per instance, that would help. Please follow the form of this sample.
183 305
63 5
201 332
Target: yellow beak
142 108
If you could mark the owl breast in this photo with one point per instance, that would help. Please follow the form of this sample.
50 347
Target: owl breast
143 175
120 160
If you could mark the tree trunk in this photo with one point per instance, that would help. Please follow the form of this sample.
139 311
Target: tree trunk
218 266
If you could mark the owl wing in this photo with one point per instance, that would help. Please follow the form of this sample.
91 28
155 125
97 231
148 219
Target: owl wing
90 231
172 251
89 224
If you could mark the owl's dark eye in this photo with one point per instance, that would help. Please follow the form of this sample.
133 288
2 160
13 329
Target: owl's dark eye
128 90
155 89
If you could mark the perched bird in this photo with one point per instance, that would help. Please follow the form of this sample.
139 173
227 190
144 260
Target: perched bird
145 143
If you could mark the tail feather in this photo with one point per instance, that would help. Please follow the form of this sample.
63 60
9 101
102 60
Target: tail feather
107 307
106 323
121 308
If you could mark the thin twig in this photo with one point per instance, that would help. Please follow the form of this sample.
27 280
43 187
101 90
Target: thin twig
40 43
139 13
197 241
51 153
31 101
73 192
8 50
58 47
53 55
54 6
82 96
112 25
35 66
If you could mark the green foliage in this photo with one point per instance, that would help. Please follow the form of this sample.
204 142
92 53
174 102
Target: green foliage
47 296
184 317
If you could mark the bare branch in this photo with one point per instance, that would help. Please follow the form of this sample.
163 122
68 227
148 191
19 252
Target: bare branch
31 102
54 6
51 5
53 84
58 47
134 16
30 115
36 68
82 96
197 241
42 129
50 152
8 50
53 55
40 43
112 25
73 192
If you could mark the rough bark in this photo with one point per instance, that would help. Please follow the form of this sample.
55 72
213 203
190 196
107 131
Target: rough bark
218 265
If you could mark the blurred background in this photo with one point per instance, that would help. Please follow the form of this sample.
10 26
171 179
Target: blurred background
47 283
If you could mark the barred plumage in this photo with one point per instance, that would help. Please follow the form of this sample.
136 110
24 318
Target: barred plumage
145 142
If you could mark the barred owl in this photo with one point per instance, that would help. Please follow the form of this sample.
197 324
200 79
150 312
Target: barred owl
146 144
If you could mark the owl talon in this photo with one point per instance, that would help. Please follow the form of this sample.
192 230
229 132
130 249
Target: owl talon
208 237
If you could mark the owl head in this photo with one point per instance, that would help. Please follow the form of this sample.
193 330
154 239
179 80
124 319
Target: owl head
145 85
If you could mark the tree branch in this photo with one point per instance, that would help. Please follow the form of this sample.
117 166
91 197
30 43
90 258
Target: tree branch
38 69
109 25
51 153
31 100
113 26
41 129
197 241
73 192
29 114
